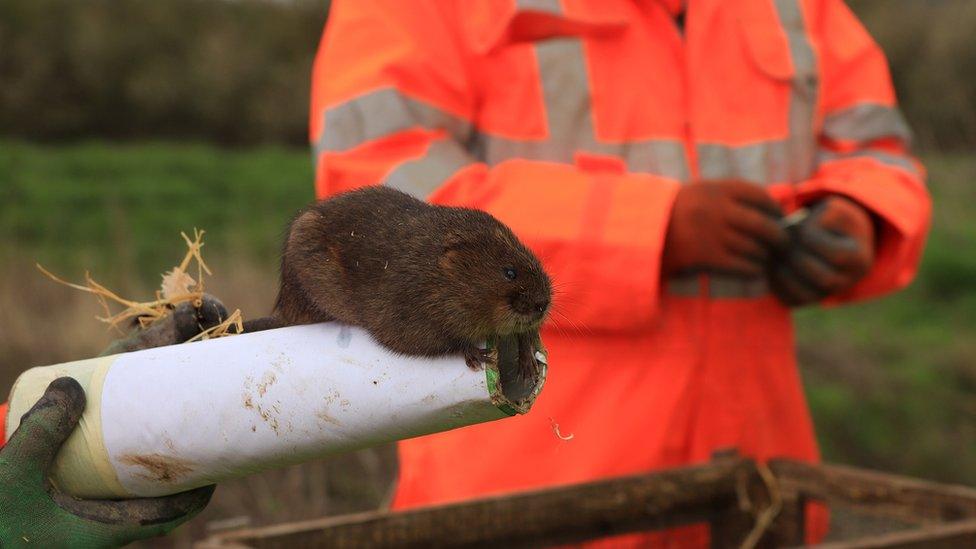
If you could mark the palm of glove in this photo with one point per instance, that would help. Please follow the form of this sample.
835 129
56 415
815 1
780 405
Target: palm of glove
730 227
831 251
33 514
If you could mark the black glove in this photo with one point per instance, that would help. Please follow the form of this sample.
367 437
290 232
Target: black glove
831 250
183 323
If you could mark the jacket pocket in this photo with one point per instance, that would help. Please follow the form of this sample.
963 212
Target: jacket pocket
778 44
780 48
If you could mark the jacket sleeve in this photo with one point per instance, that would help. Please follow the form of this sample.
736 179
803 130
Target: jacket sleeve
393 103
863 151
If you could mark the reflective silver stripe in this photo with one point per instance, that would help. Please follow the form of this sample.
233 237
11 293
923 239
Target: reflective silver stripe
566 97
729 287
658 157
720 286
787 160
761 163
886 158
566 92
662 157
566 102
568 112
683 285
381 113
803 100
422 176
385 112
867 122
547 6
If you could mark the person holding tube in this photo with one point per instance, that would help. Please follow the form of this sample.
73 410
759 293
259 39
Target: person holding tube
688 172
35 514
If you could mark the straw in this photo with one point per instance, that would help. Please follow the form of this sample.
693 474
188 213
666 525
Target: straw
177 287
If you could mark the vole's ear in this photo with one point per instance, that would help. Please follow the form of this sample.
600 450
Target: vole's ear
452 244
448 260
302 225
453 240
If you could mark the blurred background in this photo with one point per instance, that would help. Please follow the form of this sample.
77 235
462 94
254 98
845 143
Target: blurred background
123 122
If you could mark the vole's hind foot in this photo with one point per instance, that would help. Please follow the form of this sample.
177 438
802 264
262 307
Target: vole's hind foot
476 358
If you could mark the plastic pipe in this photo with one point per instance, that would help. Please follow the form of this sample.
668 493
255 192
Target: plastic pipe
169 419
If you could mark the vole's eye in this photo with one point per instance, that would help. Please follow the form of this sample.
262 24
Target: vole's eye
510 273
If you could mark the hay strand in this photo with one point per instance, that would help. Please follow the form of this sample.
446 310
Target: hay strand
177 287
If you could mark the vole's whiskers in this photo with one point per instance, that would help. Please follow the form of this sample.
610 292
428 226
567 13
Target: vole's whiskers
563 284
576 325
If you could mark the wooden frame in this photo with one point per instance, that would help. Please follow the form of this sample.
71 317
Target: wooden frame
745 504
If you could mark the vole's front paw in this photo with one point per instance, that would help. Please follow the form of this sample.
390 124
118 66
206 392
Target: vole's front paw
475 357
527 364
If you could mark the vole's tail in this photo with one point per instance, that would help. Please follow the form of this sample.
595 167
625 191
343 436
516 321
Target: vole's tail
261 324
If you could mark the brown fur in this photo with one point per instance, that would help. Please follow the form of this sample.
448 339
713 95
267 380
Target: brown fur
424 280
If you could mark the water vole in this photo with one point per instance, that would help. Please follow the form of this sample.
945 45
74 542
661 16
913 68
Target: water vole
422 279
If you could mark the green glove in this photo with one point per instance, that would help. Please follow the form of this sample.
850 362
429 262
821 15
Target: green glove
34 514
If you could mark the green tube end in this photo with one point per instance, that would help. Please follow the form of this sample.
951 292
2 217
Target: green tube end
510 390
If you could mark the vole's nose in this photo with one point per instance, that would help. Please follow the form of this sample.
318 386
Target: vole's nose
530 306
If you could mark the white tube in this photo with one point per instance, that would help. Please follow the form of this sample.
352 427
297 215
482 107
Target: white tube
169 419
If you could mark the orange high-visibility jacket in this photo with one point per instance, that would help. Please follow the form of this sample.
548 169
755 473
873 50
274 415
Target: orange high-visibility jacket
575 122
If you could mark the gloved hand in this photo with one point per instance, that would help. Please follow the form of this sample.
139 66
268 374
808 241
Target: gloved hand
33 514
832 249
725 226
184 322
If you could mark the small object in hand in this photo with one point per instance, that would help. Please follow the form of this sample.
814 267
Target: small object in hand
795 218
831 250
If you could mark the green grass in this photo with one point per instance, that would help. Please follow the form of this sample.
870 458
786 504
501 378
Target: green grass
892 383
123 206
